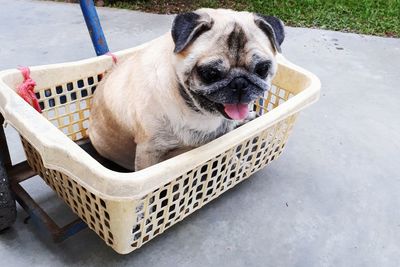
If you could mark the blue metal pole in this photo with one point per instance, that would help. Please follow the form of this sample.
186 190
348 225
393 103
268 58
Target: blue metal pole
94 27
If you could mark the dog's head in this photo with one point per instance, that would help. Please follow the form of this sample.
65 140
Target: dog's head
225 59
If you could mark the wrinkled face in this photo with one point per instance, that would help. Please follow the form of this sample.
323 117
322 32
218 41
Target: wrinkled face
227 66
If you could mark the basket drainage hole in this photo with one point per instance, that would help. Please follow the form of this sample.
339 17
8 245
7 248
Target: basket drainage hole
84 93
137 228
59 89
73 96
47 92
63 99
70 86
52 103
80 83
163 193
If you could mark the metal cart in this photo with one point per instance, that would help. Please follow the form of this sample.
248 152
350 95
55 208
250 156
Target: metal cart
12 175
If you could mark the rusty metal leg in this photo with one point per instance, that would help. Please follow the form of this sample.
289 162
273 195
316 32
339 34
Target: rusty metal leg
17 174
21 172
41 219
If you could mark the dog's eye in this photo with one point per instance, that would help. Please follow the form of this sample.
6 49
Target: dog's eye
209 75
262 69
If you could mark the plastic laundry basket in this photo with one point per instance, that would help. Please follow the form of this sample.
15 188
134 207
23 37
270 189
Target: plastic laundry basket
128 209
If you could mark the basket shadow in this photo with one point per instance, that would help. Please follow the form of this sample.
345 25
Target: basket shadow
86 145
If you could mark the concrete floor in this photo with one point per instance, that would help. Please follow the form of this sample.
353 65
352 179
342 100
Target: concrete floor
332 199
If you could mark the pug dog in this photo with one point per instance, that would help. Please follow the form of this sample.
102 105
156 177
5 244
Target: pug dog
186 87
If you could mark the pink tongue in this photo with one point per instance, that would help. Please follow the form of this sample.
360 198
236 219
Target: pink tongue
236 111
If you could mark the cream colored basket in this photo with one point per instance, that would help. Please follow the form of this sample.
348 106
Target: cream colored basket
128 209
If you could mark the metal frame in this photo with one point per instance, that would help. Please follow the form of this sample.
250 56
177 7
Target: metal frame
22 171
94 27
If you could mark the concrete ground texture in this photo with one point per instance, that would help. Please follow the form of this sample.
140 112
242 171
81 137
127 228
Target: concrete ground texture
331 199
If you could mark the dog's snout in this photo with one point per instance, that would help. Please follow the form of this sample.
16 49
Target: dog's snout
239 83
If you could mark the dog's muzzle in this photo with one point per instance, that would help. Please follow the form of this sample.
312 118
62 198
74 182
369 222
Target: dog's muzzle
234 97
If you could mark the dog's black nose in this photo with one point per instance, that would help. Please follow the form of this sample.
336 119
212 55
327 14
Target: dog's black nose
239 83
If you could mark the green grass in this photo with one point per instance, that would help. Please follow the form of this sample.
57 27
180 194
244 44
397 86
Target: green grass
376 17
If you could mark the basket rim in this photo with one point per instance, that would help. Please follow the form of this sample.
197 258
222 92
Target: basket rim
60 153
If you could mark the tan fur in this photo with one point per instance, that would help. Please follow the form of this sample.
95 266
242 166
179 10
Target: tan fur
139 97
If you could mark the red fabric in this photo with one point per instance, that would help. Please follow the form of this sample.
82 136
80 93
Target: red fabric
114 57
26 89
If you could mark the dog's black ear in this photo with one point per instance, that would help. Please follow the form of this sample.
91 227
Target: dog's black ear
273 28
187 27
